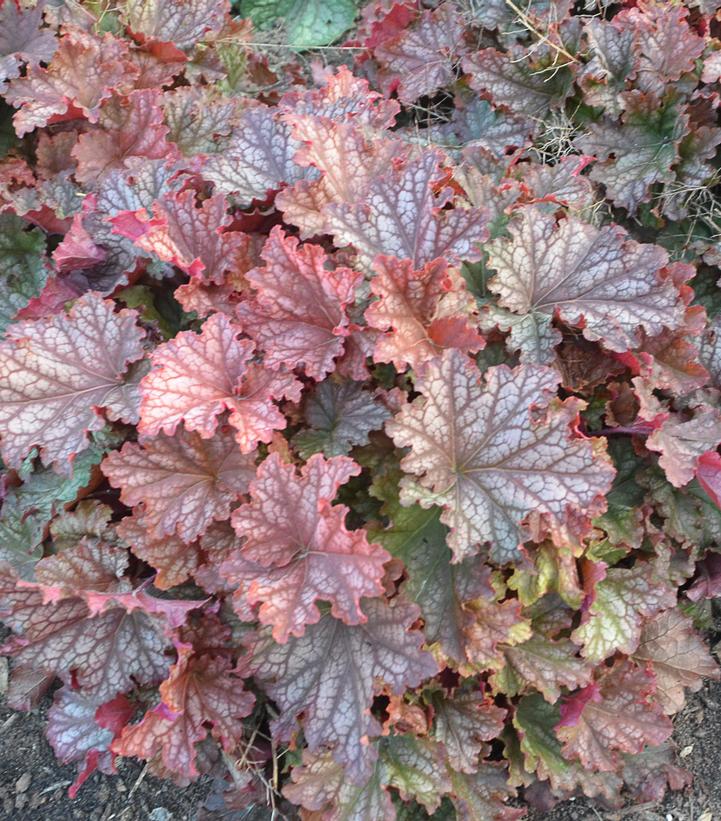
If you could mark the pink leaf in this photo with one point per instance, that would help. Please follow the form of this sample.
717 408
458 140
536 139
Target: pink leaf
422 55
327 675
403 216
78 731
195 377
422 312
596 279
682 443
708 474
199 691
83 72
332 147
678 656
58 373
615 714
174 560
184 234
182 22
298 315
297 548
185 482
129 127
342 98
105 651
259 158
22 39
77 249
476 452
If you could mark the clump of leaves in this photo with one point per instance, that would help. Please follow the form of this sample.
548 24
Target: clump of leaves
360 409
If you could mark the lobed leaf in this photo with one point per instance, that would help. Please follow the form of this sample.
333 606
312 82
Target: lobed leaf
199 691
184 482
328 673
478 453
596 279
614 714
195 377
299 311
402 217
59 373
297 548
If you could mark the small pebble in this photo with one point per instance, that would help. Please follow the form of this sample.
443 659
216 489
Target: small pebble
4 673
23 783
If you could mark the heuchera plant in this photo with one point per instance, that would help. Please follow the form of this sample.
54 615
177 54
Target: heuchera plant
360 416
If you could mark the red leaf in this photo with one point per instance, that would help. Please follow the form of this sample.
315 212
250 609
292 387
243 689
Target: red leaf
615 714
195 377
298 316
174 560
185 482
76 734
58 373
187 235
708 474
297 549
84 71
129 127
419 60
422 312
199 691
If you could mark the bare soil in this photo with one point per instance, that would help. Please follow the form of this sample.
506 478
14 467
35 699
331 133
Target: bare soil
33 785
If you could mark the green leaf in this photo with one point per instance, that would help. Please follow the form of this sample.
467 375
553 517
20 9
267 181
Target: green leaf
44 492
20 539
8 139
415 767
142 299
339 415
534 721
623 598
482 795
308 23
412 811
23 272
689 515
553 571
29 507
417 537
543 664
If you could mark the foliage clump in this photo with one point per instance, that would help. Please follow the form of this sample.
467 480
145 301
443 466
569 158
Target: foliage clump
360 407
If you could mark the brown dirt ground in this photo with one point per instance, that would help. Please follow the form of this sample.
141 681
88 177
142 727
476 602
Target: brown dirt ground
33 785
